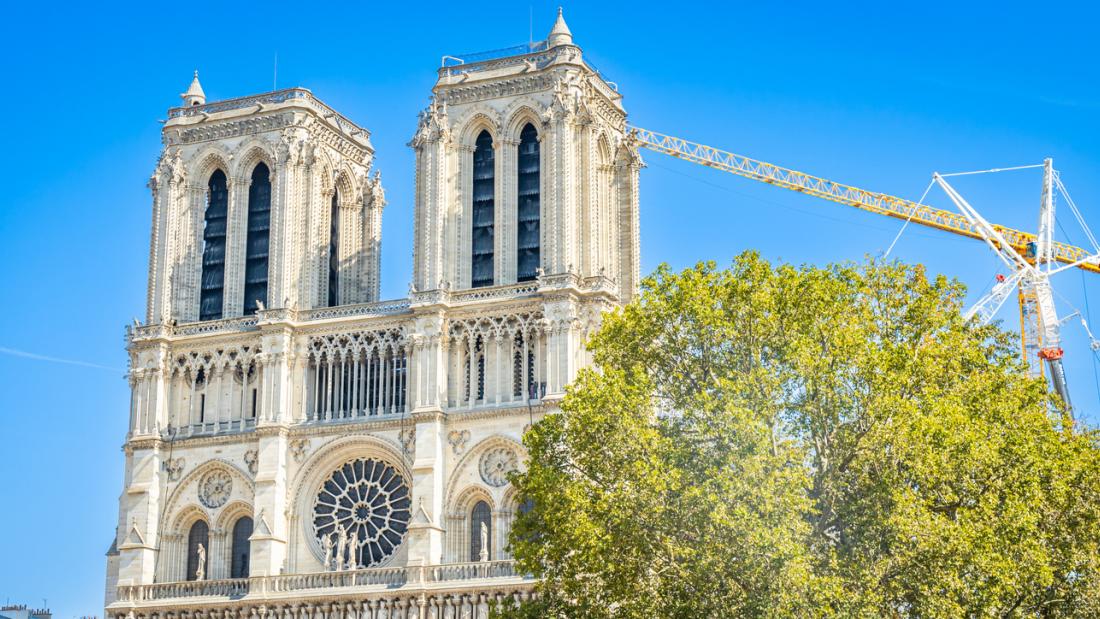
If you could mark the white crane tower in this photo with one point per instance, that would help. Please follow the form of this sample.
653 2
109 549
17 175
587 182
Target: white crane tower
1031 258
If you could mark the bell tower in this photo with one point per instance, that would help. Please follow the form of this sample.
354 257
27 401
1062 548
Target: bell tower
523 168
265 201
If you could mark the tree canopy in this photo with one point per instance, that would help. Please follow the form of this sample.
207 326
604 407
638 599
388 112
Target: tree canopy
782 441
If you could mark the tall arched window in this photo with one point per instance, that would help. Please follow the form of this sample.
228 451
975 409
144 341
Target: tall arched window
238 564
527 213
334 251
481 514
198 535
481 250
213 247
259 227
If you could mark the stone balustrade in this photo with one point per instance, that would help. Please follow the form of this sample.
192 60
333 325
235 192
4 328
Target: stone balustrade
387 578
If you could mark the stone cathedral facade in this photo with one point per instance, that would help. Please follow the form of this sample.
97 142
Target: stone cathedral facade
298 448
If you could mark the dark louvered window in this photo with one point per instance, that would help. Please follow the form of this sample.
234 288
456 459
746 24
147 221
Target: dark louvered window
199 534
213 247
333 252
527 215
482 246
259 233
481 514
242 530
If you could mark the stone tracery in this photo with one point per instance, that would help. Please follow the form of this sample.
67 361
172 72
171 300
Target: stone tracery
436 386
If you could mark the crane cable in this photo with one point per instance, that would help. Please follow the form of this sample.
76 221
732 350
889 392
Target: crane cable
886 254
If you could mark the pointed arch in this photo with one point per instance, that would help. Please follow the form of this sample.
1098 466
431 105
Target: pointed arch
522 111
252 152
240 547
528 204
198 550
334 249
482 244
258 241
479 117
215 218
481 541
206 161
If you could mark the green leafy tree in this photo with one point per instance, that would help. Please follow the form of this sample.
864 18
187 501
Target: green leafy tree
792 442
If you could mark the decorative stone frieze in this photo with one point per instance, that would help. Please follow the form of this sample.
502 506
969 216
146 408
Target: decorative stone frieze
269 409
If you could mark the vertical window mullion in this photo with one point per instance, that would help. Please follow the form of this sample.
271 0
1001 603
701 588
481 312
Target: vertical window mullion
257 242
212 280
482 213
528 239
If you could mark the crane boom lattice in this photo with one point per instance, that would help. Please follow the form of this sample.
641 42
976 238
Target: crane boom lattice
880 203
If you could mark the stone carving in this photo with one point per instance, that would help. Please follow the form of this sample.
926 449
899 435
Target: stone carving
298 449
407 437
365 499
484 554
458 440
174 468
326 550
341 546
496 464
200 569
252 460
215 488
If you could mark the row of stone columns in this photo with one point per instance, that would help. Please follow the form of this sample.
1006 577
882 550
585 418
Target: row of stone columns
486 362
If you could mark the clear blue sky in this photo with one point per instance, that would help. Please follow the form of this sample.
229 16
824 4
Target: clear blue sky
873 94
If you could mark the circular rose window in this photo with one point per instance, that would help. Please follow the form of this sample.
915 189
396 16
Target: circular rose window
361 514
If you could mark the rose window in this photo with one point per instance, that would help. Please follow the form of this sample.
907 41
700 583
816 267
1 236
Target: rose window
215 488
361 514
496 464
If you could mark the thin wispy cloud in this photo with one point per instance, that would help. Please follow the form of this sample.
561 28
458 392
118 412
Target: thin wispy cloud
37 357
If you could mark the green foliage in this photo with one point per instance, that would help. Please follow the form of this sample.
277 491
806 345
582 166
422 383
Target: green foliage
792 442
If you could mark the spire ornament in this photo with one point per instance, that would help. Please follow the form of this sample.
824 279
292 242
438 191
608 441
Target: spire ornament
559 34
194 95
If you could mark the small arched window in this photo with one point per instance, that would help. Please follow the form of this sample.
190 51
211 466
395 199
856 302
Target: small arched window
257 245
212 280
527 213
199 535
481 514
334 251
242 530
481 250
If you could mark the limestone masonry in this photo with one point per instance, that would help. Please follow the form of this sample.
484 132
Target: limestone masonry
298 448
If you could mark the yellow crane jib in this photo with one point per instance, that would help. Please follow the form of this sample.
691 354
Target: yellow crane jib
883 204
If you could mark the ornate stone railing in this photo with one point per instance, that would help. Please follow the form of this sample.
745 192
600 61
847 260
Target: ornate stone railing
224 325
494 292
239 323
378 308
235 587
504 52
538 59
386 577
470 571
534 54
210 428
301 95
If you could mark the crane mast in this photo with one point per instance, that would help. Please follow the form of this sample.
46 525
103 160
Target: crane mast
1031 258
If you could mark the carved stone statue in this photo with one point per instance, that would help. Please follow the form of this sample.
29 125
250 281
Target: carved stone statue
353 554
200 569
341 547
484 556
326 550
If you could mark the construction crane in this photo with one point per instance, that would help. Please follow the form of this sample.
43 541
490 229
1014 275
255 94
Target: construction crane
1032 258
